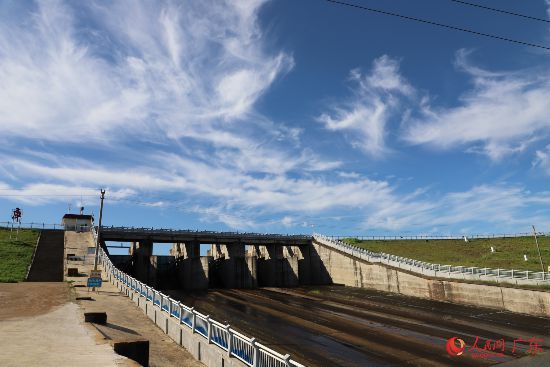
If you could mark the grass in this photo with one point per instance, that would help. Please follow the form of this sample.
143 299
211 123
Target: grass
477 252
16 254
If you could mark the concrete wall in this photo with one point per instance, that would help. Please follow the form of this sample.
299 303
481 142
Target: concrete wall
344 269
192 273
231 267
235 272
278 272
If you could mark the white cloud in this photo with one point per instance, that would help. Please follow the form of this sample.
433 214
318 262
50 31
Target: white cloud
501 115
42 193
542 160
287 221
377 96
153 69
501 206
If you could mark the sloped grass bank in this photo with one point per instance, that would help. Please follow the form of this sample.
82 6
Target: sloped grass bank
16 254
476 252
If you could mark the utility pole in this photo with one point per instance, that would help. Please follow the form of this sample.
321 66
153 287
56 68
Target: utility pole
99 229
538 249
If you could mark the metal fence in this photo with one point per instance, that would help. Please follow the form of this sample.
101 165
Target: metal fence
438 270
31 225
438 237
237 345
154 230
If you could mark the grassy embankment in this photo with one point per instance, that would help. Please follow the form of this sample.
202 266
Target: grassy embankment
16 255
476 252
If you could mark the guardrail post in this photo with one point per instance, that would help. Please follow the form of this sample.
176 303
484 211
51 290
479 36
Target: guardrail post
229 339
194 320
209 323
255 353
181 312
287 360
498 272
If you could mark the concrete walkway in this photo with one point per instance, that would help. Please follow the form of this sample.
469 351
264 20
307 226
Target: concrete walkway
125 321
51 335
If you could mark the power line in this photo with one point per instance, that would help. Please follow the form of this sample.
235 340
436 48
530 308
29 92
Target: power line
500 11
361 7
46 195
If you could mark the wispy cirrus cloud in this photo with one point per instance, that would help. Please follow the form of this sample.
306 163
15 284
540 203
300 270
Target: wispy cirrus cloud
156 101
376 97
153 70
241 200
503 114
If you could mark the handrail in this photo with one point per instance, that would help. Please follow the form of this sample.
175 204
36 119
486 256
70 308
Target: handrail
427 268
236 344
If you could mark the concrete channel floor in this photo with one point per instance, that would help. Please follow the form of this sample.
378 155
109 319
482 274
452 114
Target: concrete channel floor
39 326
344 326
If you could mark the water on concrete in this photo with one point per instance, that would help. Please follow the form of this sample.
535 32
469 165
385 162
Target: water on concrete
342 326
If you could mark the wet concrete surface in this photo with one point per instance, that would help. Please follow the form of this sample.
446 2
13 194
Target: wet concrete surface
343 326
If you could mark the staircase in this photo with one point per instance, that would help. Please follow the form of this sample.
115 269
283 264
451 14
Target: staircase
47 265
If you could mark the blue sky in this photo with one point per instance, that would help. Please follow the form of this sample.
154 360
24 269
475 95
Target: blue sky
276 116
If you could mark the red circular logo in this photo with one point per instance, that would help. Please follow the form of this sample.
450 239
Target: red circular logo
453 349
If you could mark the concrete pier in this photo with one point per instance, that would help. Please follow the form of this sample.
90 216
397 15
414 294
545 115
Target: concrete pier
236 261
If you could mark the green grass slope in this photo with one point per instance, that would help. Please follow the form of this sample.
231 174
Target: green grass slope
477 252
16 255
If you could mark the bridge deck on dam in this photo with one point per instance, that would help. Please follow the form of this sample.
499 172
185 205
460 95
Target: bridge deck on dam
125 234
341 326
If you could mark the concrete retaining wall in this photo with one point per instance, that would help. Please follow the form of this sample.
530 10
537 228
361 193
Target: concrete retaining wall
344 269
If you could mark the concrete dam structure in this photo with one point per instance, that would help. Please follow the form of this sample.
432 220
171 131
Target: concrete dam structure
235 260
383 315
247 261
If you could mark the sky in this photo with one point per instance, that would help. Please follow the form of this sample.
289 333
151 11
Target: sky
282 116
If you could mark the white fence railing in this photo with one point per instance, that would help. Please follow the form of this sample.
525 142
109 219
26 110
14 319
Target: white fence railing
438 270
237 345
439 237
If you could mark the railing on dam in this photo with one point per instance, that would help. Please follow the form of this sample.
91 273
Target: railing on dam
190 231
237 345
177 235
31 225
438 270
438 237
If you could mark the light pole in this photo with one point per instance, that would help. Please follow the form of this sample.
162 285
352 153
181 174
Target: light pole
99 229
538 249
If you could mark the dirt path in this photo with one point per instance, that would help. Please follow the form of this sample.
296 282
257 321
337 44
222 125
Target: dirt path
31 299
